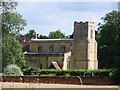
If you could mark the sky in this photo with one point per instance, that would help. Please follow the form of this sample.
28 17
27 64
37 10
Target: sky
48 16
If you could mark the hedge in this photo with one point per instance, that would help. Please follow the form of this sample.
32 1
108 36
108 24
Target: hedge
35 71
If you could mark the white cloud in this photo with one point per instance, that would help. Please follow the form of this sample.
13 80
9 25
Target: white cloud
64 22
41 29
47 17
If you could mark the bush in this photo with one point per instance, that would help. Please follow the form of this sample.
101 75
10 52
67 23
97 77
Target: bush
13 70
102 72
30 71
60 73
116 76
81 72
27 71
77 73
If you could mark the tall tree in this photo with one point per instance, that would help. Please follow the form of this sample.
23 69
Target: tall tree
43 37
12 52
12 24
8 6
109 41
31 34
56 34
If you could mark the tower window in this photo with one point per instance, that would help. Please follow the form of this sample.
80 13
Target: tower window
62 48
51 48
40 48
81 34
91 34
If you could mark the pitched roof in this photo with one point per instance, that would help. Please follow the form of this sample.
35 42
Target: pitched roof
51 40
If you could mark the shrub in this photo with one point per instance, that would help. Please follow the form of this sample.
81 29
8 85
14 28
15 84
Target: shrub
13 70
116 76
81 72
102 72
27 71
77 73
60 73
30 71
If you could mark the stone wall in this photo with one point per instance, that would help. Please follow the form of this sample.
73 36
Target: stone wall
46 44
60 80
43 62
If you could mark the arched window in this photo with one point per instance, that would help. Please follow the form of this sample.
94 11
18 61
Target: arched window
91 34
40 48
62 48
68 62
81 34
51 48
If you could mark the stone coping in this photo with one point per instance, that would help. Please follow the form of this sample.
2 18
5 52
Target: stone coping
57 86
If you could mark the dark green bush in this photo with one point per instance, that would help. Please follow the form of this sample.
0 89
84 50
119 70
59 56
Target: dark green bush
116 76
102 72
77 73
27 71
98 73
30 71
60 73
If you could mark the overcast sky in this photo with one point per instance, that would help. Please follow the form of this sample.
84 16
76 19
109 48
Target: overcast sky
51 16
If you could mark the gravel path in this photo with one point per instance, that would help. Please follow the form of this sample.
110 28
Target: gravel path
38 85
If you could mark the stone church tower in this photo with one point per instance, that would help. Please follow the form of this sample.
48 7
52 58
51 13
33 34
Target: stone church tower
85 46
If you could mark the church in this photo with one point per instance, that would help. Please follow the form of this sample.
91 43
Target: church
77 53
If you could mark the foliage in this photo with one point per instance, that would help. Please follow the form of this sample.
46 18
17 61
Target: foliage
12 24
109 41
29 70
116 75
56 34
43 37
13 70
31 34
12 52
48 72
70 36
7 6
52 35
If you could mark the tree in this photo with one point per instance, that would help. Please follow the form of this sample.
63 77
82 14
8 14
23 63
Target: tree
7 6
31 34
12 52
109 41
56 34
12 24
43 37
70 36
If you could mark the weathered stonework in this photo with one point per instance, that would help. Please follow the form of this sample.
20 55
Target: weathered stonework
85 46
79 52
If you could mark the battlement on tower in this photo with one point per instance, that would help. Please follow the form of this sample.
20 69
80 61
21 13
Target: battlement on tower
86 22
